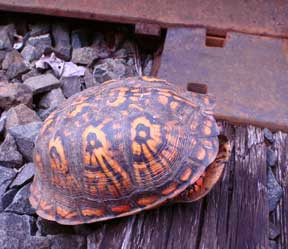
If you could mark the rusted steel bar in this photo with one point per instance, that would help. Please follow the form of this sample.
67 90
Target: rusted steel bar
247 73
255 16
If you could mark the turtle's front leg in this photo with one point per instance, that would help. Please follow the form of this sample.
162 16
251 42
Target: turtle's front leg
209 177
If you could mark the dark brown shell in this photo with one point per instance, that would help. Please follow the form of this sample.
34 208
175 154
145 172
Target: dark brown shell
122 147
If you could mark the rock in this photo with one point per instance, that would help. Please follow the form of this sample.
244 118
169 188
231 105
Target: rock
6 36
26 174
15 64
61 38
9 156
39 29
109 69
42 83
67 242
14 94
3 76
271 157
2 123
20 115
29 53
33 72
101 45
40 44
130 68
89 79
25 136
52 99
70 86
126 50
274 231
79 38
275 191
121 53
2 57
6 177
20 203
47 227
268 135
7 198
84 56
148 67
16 232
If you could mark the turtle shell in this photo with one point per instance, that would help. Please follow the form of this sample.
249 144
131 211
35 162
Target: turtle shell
120 148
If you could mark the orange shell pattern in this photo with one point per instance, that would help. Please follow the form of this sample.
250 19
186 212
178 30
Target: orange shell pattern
120 148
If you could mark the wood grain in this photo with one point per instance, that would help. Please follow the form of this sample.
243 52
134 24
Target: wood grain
234 214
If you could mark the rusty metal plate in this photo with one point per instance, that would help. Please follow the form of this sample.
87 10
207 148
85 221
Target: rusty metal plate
249 75
253 16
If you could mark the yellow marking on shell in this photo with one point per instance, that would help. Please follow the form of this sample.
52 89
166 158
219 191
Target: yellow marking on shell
77 123
143 134
116 126
153 145
207 130
113 191
120 99
165 163
207 144
194 125
174 105
92 212
170 154
152 79
186 175
136 148
138 168
169 189
58 161
121 209
85 117
47 216
201 153
147 200
206 100
145 147
47 123
136 107
92 177
124 113
78 109
134 98
155 166
110 81
100 154
45 206
67 133
65 213
163 99
67 182
135 90
169 93
38 161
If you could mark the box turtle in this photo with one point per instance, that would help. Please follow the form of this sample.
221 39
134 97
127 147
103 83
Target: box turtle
123 147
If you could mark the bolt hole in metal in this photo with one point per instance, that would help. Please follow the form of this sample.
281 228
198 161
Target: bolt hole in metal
197 88
215 38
